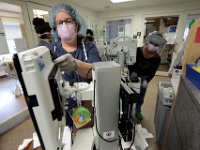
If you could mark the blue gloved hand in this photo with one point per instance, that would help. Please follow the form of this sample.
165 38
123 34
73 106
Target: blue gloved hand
66 62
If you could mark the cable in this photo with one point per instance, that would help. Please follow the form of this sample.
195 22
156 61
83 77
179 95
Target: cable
133 138
88 72
109 141
84 50
120 145
133 126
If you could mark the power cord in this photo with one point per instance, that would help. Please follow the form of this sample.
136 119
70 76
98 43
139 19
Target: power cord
109 141
132 138
88 72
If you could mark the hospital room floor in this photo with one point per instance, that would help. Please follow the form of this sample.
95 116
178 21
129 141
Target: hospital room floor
11 139
10 105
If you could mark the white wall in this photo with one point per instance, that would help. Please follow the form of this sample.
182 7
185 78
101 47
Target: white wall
89 16
137 15
27 6
12 30
11 17
181 9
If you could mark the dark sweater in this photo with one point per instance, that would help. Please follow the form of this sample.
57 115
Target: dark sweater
145 67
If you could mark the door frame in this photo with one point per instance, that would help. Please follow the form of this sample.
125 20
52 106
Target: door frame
28 32
30 7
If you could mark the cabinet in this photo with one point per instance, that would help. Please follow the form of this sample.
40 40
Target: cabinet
184 130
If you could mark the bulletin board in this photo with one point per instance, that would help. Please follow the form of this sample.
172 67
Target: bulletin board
192 50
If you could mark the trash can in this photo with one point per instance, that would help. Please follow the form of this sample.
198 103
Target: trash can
163 105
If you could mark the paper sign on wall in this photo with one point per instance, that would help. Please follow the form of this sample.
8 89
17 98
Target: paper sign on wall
197 37
20 44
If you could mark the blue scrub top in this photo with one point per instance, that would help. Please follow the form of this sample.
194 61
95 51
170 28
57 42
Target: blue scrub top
92 56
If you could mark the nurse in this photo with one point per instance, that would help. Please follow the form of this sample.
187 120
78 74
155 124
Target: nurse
71 50
147 63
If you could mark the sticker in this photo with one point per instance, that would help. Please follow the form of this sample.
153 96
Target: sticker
41 63
108 134
80 116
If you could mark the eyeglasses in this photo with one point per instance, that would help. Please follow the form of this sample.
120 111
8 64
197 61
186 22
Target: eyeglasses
66 21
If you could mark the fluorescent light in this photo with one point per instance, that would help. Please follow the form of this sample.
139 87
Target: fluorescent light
120 1
40 12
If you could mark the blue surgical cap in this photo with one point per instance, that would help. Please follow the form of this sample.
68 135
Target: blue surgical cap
72 12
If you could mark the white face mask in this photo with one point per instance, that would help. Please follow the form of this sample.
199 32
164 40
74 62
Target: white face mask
66 32
152 48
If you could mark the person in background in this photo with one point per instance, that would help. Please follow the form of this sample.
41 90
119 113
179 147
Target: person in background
90 35
147 63
71 50
43 30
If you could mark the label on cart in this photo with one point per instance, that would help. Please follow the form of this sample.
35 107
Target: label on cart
108 134
41 63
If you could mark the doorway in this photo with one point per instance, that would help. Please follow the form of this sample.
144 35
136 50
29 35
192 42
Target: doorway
12 26
13 108
167 25
40 11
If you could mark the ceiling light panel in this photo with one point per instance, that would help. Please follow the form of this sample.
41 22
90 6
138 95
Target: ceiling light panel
120 1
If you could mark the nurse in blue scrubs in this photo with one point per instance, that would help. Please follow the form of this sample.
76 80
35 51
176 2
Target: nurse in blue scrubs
71 49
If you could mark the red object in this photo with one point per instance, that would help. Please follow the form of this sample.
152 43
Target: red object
197 38
193 75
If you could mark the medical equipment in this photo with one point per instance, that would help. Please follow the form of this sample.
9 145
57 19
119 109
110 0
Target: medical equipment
7 69
165 98
111 93
42 86
122 50
106 104
46 92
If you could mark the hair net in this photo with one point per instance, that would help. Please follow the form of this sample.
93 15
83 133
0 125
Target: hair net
72 12
155 38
